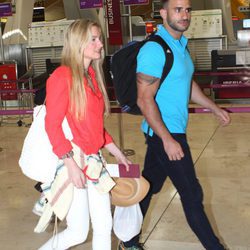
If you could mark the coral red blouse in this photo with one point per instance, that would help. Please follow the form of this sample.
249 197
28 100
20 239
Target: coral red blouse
89 133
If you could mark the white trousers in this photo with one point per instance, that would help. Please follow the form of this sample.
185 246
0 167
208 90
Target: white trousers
86 203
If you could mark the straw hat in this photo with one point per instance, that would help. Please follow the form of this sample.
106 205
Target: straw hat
129 191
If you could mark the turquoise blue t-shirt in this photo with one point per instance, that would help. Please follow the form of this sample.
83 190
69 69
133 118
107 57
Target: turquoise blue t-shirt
174 93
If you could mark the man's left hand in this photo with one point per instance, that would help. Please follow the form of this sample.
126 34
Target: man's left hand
222 116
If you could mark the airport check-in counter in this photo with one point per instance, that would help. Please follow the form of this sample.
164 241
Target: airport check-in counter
234 68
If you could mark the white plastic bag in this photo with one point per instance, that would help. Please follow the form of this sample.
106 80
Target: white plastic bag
127 222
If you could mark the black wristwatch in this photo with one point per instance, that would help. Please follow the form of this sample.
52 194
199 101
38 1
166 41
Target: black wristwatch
70 154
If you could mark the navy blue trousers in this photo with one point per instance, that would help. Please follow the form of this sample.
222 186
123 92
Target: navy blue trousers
157 168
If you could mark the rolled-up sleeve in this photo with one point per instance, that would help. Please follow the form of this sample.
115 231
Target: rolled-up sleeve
107 137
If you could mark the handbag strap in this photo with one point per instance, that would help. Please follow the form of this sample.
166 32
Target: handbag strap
41 107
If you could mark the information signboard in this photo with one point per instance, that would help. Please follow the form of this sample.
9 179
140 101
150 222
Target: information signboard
114 22
135 2
205 24
87 4
5 9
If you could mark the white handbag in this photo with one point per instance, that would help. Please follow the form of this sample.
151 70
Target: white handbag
37 159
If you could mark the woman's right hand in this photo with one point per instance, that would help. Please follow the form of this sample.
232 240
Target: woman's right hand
75 173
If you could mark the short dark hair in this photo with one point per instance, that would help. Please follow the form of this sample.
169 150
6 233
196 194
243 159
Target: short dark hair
164 1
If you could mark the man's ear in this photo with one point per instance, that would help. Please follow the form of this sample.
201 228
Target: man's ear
163 13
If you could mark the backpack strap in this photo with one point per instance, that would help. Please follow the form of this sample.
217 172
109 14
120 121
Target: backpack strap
169 60
169 57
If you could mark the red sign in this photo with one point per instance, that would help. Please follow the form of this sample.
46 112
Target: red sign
114 22
7 81
149 28
135 2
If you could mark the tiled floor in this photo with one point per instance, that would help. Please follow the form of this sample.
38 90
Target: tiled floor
222 160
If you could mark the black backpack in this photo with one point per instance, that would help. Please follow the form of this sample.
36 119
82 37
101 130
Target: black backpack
123 71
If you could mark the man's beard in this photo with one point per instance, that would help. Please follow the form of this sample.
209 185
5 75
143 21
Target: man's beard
178 28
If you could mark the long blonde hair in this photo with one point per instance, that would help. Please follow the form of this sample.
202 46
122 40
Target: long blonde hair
77 37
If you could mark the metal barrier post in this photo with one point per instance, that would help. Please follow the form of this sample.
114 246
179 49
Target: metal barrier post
1 43
127 152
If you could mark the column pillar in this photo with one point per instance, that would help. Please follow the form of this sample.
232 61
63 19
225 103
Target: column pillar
18 23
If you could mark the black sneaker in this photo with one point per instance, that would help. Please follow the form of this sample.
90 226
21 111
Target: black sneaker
137 247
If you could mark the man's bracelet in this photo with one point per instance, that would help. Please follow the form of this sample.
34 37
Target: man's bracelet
70 154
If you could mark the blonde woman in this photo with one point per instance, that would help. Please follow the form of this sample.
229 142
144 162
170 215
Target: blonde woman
76 90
